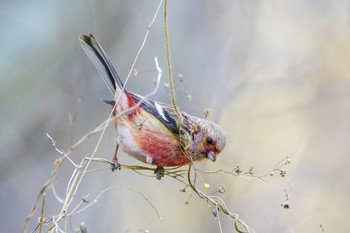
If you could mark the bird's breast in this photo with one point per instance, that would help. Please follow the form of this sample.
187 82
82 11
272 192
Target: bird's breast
150 141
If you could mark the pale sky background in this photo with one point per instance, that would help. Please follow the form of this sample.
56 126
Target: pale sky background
276 75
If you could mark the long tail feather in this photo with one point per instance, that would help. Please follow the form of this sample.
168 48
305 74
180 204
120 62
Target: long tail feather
101 61
166 114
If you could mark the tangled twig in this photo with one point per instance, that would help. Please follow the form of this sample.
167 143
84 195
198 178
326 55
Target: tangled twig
187 177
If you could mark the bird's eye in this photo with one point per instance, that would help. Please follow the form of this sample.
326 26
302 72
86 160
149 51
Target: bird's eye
209 140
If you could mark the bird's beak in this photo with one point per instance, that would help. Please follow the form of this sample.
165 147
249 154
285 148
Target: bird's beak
212 156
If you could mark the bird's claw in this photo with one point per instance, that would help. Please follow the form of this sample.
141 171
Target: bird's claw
115 165
159 172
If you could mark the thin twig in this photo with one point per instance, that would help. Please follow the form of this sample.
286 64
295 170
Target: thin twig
144 98
218 218
57 164
42 214
91 203
237 171
92 132
167 45
143 43
77 175
58 198
187 177
146 199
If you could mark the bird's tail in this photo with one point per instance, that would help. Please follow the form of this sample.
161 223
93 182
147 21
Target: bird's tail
103 64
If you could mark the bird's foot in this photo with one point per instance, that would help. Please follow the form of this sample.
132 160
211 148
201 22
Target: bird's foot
159 172
115 165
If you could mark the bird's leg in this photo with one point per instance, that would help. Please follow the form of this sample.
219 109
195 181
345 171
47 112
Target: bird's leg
159 172
115 163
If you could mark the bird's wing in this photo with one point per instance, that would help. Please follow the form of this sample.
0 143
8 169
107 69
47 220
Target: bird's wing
164 112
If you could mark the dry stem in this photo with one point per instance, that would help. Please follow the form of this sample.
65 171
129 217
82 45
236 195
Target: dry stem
187 177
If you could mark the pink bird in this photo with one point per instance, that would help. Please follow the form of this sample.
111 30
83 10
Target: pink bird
152 132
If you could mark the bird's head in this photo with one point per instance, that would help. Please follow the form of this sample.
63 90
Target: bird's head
209 139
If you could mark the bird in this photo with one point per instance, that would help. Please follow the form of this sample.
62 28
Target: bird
154 133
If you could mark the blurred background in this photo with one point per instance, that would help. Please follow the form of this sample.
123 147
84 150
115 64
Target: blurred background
276 75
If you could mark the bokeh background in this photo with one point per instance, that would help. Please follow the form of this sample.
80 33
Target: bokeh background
275 73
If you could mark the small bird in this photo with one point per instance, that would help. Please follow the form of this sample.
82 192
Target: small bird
154 132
